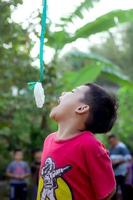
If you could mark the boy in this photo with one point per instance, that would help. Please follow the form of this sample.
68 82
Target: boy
74 164
18 170
120 157
35 166
129 180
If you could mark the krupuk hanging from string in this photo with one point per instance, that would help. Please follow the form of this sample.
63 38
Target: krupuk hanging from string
37 86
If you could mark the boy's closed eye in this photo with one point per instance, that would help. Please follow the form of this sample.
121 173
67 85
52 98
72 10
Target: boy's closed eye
74 90
64 93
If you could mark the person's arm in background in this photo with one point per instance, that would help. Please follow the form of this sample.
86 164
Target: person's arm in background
9 171
27 171
24 176
11 175
126 154
125 157
117 162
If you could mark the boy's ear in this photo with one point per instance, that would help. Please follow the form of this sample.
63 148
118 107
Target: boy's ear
82 109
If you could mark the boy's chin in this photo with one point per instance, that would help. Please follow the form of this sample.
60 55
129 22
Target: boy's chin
53 114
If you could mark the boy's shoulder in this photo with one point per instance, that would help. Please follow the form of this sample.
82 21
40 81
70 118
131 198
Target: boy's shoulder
49 137
23 162
86 142
85 137
90 143
88 138
13 162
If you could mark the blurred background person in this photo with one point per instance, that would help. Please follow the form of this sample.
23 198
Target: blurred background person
35 166
129 180
120 157
18 171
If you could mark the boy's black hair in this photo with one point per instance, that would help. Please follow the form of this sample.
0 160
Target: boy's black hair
17 150
112 136
103 109
36 150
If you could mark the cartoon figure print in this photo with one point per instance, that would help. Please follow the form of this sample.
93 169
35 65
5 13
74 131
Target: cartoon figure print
50 174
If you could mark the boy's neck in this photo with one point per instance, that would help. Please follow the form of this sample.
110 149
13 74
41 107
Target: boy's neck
18 160
66 130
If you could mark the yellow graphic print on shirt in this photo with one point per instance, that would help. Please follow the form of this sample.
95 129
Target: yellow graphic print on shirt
51 185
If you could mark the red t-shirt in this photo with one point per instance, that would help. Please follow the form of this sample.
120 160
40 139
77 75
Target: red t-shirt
78 168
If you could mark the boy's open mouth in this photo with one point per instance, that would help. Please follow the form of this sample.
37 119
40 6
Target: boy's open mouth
59 100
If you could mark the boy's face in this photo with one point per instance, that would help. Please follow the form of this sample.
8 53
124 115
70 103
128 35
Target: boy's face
113 142
70 104
18 155
37 156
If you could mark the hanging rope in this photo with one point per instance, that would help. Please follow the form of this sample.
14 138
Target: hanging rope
37 86
43 31
41 53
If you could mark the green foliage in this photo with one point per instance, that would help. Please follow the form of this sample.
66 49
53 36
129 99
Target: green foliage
15 48
89 73
124 124
118 48
21 123
60 38
119 51
17 111
104 23
92 66
78 12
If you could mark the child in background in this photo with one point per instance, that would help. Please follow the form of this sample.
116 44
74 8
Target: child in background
35 166
120 156
18 171
129 180
75 165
